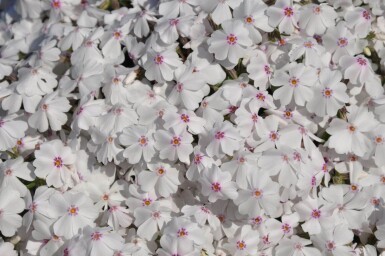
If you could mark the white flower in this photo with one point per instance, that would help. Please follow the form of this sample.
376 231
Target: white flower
261 193
252 13
329 94
173 145
296 82
260 70
10 131
14 169
284 15
170 29
101 241
315 19
54 163
161 177
231 43
140 142
351 136
184 119
50 113
35 81
245 242
335 241
360 19
75 211
11 204
217 184
160 66
224 139
296 246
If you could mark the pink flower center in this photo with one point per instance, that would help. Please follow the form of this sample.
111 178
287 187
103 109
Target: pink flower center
352 128
143 141
375 201
254 117
96 236
56 4
330 245
294 82
73 210
327 92
8 172
174 22
257 220
267 69
175 141
316 214
219 135
232 39
342 42
147 201
158 59
161 171
354 187
32 207
58 162
313 181
274 136
156 215
185 118
44 107
317 10
286 228
288 114
258 193
260 96
197 159
249 19
205 210
179 87
298 246
379 140
288 11
182 232
366 15
241 245
216 187
362 61
117 35
1 123
308 44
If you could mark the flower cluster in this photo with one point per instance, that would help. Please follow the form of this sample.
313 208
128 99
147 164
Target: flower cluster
192 127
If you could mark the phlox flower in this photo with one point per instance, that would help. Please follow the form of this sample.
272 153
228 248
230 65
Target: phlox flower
261 193
111 41
378 137
117 217
231 42
87 114
335 241
38 207
224 139
101 241
140 144
309 49
296 81
202 215
260 70
50 113
360 19
200 162
150 220
8 59
48 55
188 90
160 66
353 132
171 246
245 242
105 145
35 81
170 29
14 169
284 15
173 145
217 184
162 178
11 205
314 214
252 13
50 242
329 94
75 211
359 71
117 118
247 118
87 77
177 8
10 131
54 163
315 19
339 41
296 246
184 119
